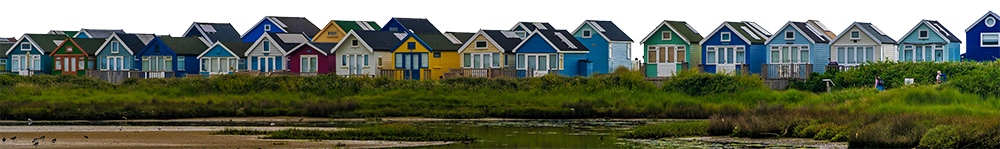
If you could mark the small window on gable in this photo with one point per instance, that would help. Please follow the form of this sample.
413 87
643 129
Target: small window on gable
666 35
267 27
25 46
990 21
69 49
586 33
355 43
923 34
789 35
726 37
267 47
114 47
521 34
481 44
411 45
331 33
393 29
855 34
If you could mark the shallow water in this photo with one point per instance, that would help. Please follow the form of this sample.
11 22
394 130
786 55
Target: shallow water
530 136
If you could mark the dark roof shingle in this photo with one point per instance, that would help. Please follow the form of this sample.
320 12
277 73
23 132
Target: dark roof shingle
3 49
100 33
89 45
683 29
298 25
502 40
809 33
944 30
132 41
379 40
185 45
224 32
438 42
418 25
238 47
45 41
869 28
611 31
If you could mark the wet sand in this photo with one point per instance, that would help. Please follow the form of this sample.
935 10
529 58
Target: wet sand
169 137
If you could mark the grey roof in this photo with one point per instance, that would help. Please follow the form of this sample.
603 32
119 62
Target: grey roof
7 40
89 45
324 46
438 42
462 36
502 40
185 45
555 40
45 41
809 33
238 47
281 42
738 27
529 26
132 41
3 49
683 28
869 28
100 33
298 25
944 30
224 32
379 40
418 25
611 31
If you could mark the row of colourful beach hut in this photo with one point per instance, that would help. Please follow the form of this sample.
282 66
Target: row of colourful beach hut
413 48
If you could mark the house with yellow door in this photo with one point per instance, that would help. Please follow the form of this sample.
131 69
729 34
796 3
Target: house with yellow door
336 30
425 53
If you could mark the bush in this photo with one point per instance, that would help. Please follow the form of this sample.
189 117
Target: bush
695 83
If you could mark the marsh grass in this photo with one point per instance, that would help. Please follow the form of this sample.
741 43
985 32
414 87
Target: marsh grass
390 132
678 129
243 131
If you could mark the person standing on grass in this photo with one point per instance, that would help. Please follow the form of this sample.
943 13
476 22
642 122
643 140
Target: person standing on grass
941 77
879 83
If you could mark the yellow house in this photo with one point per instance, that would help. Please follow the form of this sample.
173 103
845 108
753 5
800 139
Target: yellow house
489 49
428 56
338 29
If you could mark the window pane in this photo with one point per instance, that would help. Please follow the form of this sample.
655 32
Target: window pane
531 62
775 56
496 59
938 55
663 55
841 55
423 60
681 56
919 53
554 61
928 55
991 39
467 59
670 54
784 55
908 55
740 56
520 61
366 60
399 60
805 56
477 61
795 54
711 57
542 61
730 52
652 55
870 51
851 56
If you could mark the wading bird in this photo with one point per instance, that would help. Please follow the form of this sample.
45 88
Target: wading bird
53 140
86 137
12 138
36 144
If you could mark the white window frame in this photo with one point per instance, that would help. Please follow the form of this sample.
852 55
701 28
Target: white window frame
797 53
723 36
982 36
305 63
792 33
266 47
485 44
987 21
548 60
484 62
912 55
267 27
851 34
23 44
923 34
262 63
587 33
114 47
859 50
723 50
669 35
180 62
355 43
15 60
69 49
711 49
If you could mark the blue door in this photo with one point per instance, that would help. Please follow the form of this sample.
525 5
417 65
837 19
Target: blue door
411 64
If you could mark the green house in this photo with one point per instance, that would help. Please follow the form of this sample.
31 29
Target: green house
671 47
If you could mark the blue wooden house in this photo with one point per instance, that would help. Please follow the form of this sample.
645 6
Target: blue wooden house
118 51
29 55
609 46
984 38
96 33
545 52
795 48
412 25
267 54
171 54
929 41
735 47
213 32
223 58
276 24
522 29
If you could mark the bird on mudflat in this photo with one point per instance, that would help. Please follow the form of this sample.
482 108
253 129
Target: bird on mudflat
4 139
34 140
12 138
159 128
43 137
36 144
53 140
86 137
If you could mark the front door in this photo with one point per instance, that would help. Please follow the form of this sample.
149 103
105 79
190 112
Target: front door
538 64
266 64
727 60
358 65
411 65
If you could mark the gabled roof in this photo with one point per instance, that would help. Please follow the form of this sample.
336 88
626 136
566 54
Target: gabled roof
238 48
185 45
213 32
503 41
132 43
531 26
438 42
418 25
319 46
4 47
990 13
814 35
936 27
347 26
819 25
560 44
61 32
296 25
460 37
374 40
607 29
872 31
98 33
288 41
679 27
44 42
8 40
89 45
417 38
218 44
745 30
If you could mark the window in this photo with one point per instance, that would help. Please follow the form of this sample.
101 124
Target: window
923 34
482 60
366 59
25 46
59 63
855 35
309 63
267 47
775 54
990 21
804 53
521 34
394 29
437 54
69 49
267 27
399 60
789 35
666 35
990 40
496 60
467 60
725 37
651 58
480 44
180 63
36 62
520 58
710 55
343 60
379 61
586 33
114 47
740 55
411 45
355 43
908 53
423 58
331 33
205 63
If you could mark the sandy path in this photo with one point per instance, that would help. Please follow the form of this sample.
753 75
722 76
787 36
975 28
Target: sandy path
169 137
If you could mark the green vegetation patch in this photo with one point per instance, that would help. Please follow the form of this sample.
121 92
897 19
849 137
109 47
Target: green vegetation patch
678 129
382 132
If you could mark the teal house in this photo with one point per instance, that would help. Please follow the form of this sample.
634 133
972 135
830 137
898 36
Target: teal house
118 51
671 46
223 58
929 41
29 55
609 46
796 50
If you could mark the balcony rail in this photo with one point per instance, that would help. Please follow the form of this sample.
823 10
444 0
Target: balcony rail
786 71
401 74
842 67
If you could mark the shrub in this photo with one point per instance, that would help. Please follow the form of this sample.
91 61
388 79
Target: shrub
695 83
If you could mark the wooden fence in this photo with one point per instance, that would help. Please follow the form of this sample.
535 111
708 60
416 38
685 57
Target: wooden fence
401 74
841 67
786 71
